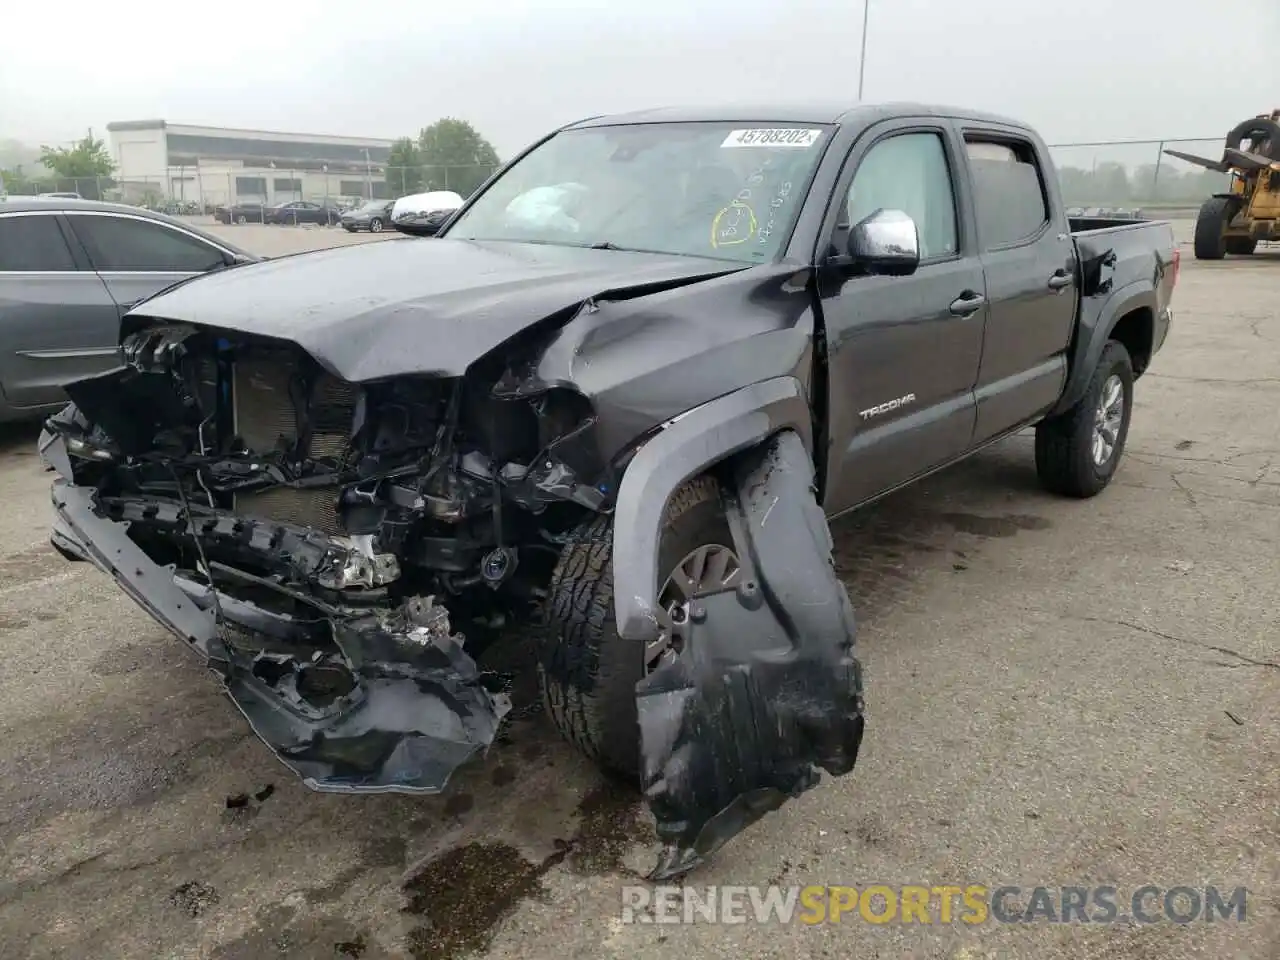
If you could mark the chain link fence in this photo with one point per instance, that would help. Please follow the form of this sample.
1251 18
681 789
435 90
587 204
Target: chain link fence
201 189
1137 173
1103 174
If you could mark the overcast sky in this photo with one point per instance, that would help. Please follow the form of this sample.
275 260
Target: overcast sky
1078 69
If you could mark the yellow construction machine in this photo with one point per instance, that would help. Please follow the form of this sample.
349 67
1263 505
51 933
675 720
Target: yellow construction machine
1249 212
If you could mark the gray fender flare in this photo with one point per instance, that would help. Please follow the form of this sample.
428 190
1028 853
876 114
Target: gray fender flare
1087 351
682 449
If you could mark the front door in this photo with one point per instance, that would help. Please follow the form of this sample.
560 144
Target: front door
57 321
903 352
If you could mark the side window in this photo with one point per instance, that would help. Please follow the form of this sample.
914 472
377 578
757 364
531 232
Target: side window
909 172
122 243
33 244
1008 191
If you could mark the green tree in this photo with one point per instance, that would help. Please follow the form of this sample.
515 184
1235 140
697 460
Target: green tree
85 167
404 168
14 180
456 156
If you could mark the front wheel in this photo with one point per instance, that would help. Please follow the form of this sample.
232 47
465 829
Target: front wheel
1077 452
375 225
242 219
587 673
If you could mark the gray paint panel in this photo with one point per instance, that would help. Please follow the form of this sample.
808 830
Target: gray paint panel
683 449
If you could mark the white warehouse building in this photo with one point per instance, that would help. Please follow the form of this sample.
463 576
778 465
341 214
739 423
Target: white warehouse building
215 165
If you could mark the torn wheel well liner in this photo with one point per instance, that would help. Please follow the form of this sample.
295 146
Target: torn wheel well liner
687 446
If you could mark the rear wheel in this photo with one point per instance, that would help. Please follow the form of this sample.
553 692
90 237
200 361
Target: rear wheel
1241 246
1078 452
1215 213
375 225
241 218
587 673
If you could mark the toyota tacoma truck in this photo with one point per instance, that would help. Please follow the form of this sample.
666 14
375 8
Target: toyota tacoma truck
615 403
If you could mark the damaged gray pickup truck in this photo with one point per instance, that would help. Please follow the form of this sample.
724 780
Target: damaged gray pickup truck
615 400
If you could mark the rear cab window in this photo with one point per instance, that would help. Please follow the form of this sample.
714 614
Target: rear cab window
33 244
1010 199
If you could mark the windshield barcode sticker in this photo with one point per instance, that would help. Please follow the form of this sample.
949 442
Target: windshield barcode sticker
772 137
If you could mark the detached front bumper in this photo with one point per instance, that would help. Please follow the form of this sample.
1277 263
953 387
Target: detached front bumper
401 705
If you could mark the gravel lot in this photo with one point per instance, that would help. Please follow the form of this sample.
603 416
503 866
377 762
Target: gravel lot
1059 693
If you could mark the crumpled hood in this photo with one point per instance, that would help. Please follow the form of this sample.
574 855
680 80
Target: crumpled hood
414 305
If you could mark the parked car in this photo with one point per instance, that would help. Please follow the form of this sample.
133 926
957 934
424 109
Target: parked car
423 224
69 269
249 211
433 201
372 216
295 212
178 208
620 407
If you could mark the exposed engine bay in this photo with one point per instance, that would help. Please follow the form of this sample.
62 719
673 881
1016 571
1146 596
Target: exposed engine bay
408 477
319 523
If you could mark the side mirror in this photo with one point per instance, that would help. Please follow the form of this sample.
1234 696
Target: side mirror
886 243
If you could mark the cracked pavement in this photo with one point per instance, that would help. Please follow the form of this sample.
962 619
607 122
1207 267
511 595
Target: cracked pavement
1059 693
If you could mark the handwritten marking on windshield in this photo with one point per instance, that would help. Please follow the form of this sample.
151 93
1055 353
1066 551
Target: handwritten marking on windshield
775 205
728 228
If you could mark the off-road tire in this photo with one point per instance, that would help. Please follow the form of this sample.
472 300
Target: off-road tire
1241 246
586 672
1210 243
1064 444
1263 128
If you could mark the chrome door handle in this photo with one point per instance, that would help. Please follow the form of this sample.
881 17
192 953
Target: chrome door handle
967 304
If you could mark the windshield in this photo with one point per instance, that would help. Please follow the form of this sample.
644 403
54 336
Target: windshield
697 189
373 206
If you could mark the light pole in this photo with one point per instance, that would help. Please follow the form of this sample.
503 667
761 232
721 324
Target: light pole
368 175
862 60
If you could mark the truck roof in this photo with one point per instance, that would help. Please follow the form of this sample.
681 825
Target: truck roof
828 112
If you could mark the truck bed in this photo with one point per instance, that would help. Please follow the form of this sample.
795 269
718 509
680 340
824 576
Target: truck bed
1120 251
1119 260
1092 224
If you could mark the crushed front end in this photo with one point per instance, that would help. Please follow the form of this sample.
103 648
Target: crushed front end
319 541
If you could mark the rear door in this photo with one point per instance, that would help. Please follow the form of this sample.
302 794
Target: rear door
58 322
138 257
903 352
1030 266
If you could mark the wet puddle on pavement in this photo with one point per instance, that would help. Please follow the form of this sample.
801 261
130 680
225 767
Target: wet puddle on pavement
462 894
